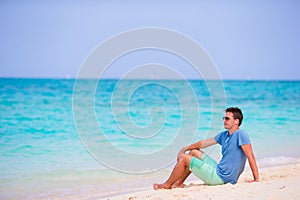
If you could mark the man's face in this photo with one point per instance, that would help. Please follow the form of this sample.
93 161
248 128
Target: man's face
229 121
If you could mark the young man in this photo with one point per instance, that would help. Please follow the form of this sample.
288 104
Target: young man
236 148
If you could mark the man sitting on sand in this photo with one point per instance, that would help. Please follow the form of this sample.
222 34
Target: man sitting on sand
236 148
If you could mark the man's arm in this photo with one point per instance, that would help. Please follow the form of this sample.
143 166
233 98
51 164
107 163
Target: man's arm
198 145
247 149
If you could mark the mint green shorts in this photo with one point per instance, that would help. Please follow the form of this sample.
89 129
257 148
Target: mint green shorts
205 169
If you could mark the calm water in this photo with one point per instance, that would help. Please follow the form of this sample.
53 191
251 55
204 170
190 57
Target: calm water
48 127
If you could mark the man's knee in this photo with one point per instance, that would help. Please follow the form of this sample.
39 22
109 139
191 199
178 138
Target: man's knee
196 153
185 158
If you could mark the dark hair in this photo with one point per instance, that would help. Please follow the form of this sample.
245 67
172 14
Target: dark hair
237 113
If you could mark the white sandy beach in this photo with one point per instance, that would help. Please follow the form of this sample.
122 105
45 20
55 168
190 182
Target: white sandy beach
281 182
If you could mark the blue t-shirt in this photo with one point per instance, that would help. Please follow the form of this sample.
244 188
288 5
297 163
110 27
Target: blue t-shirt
233 159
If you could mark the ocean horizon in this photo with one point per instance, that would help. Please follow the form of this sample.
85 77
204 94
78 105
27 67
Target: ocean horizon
49 128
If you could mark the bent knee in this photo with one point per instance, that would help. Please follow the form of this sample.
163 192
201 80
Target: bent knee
185 158
196 153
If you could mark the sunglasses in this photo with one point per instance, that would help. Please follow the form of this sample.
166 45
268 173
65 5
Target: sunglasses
227 118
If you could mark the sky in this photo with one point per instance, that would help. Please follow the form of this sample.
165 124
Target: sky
252 40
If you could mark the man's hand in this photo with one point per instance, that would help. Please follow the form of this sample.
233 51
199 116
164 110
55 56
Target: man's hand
251 181
182 151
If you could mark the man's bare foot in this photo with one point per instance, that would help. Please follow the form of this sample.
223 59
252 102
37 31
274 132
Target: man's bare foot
160 186
177 185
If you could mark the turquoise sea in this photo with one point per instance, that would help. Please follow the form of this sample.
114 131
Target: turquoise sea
62 136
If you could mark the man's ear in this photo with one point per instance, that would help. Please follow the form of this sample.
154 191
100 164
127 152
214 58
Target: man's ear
236 121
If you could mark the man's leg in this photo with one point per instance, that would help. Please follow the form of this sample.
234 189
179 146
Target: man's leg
180 171
180 181
177 172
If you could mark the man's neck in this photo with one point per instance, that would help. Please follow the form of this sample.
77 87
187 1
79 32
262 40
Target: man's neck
232 130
